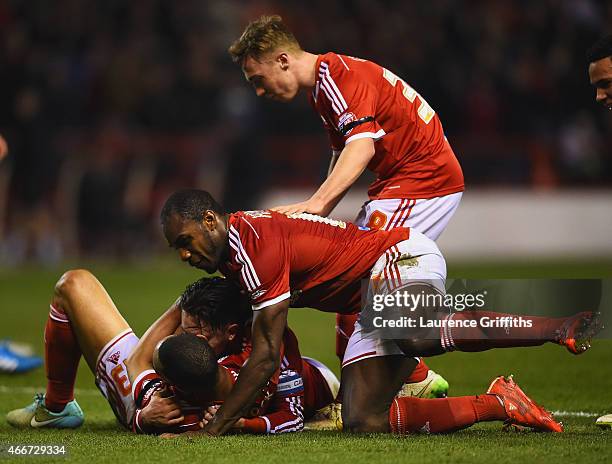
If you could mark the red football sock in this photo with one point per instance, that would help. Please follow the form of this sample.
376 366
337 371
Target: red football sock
419 373
62 355
510 333
409 414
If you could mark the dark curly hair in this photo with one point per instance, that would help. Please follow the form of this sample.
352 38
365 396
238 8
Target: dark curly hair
189 204
217 301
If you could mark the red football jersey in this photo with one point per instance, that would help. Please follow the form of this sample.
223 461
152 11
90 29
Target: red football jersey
360 99
318 262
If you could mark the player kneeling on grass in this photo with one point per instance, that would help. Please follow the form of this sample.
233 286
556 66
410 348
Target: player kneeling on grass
303 260
84 321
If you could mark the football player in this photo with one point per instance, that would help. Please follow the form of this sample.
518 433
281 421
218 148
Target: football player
375 120
303 260
600 75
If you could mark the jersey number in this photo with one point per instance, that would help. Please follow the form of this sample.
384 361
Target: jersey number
425 112
121 380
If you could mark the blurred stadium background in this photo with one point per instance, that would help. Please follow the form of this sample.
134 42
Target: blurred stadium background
109 106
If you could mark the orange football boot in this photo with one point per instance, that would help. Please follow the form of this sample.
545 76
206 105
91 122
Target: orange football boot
521 409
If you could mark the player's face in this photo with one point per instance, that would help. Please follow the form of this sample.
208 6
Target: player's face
218 339
271 76
600 73
201 244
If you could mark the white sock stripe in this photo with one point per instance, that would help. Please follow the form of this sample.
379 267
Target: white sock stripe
57 315
57 319
399 416
450 334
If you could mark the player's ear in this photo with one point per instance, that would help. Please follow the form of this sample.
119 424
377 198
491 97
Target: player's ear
283 59
232 331
210 220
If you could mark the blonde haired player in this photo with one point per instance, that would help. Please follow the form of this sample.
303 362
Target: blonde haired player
374 120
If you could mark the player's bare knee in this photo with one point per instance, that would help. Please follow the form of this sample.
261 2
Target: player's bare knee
70 283
420 346
355 421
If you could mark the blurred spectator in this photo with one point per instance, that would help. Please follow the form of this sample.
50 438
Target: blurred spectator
155 75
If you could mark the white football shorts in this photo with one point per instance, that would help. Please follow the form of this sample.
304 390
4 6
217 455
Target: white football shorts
429 216
112 376
417 259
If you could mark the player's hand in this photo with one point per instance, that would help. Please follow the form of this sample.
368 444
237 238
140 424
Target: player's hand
309 206
161 412
209 414
3 148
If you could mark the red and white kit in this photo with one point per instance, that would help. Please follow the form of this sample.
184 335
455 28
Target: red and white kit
112 376
322 263
413 160
420 182
295 392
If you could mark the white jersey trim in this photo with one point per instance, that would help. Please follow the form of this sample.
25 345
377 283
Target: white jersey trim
331 90
248 270
265 304
366 135
139 378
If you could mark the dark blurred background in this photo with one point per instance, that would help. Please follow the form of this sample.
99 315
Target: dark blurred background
108 106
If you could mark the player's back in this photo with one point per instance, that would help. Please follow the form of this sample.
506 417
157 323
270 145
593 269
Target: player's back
319 262
358 98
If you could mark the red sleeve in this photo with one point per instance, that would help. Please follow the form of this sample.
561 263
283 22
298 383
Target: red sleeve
286 410
263 259
352 98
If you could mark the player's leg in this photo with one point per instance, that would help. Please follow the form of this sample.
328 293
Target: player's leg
473 331
384 215
82 320
416 266
369 404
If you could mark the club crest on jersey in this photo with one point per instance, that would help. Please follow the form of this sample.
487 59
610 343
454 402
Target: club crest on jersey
344 123
114 358
257 293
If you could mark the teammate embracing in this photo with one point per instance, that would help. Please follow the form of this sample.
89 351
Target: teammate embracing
375 120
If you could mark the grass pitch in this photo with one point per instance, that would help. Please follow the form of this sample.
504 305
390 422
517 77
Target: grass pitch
578 387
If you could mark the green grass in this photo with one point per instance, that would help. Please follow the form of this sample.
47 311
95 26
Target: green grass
551 375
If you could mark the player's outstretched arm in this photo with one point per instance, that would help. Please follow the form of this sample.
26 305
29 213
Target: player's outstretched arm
350 165
141 358
267 334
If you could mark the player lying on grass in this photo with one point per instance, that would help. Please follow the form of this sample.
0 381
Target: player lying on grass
84 321
188 361
302 260
214 309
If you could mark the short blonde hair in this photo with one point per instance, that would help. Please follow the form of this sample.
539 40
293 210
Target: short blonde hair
262 36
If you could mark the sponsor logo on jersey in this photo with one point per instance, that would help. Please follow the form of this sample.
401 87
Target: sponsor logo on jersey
257 293
258 214
114 358
344 123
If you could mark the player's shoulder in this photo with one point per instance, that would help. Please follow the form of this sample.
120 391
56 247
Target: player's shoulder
338 65
251 223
